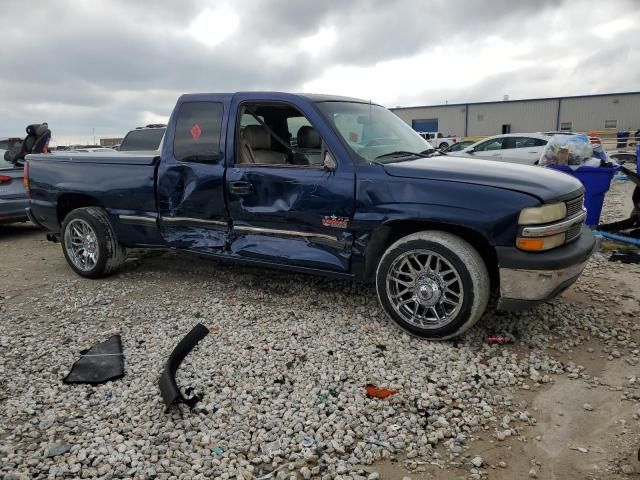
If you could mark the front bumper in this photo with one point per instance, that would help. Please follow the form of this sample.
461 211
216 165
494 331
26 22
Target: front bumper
527 279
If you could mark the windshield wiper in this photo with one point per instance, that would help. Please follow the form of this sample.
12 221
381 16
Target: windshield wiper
404 156
403 153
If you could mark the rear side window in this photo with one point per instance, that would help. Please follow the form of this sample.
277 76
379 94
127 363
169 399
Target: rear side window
142 139
198 127
494 144
522 142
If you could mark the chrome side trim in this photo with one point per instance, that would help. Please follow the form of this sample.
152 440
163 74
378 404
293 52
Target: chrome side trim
193 220
287 233
555 228
137 218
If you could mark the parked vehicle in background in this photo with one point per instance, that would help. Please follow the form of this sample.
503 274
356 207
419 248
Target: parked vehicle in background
143 139
438 140
9 143
13 198
522 148
93 150
360 196
456 147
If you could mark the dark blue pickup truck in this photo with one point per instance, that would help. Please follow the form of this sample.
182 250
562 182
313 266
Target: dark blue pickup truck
328 185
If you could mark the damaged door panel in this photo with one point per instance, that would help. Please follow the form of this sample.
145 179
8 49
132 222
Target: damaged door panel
191 200
287 206
293 215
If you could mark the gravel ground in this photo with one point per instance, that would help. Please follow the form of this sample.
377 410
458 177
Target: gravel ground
283 378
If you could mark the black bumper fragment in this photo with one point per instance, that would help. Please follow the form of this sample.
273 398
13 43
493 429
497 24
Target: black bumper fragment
168 386
101 363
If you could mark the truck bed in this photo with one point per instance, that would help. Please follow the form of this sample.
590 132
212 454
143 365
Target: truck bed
122 183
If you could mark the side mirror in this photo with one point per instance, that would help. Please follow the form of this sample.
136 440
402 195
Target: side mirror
328 162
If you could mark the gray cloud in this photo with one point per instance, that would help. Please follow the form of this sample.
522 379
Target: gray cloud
111 65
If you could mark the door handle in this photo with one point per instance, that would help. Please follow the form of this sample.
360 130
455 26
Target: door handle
240 188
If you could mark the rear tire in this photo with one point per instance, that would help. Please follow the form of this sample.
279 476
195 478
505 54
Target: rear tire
89 243
443 147
433 284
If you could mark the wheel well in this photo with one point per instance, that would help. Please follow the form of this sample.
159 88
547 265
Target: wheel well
71 201
395 231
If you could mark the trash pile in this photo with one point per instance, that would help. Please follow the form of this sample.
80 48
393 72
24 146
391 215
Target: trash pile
575 151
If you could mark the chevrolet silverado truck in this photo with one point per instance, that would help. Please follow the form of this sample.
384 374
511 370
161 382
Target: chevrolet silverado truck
325 185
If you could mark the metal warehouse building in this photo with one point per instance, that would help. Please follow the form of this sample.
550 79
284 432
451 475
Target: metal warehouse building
610 111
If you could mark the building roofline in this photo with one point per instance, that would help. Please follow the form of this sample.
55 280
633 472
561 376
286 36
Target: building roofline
463 104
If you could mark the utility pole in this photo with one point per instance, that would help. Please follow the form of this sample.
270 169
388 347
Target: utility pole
94 136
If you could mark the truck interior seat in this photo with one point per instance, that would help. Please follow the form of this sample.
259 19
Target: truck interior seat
309 142
255 147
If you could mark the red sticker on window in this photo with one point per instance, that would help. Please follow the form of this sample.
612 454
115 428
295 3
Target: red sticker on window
196 131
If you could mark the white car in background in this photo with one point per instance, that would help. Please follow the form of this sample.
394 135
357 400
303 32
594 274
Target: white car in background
522 148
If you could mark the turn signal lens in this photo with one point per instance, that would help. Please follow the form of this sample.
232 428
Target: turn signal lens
25 179
540 244
543 214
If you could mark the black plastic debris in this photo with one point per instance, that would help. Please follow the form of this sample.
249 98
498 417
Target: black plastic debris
101 363
630 258
168 387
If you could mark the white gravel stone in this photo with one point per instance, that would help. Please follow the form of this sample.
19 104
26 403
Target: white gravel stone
282 381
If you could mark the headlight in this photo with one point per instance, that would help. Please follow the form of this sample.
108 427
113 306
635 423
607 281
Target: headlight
543 214
540 244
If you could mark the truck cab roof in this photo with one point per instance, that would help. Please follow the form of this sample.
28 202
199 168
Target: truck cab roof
313 97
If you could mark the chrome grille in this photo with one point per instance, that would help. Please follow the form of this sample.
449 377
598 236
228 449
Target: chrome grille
574 206
573 232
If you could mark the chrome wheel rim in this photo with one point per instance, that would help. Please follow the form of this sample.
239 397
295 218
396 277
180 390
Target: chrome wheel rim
81 244
424 289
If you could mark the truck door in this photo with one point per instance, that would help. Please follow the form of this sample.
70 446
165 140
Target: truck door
285 206
190 179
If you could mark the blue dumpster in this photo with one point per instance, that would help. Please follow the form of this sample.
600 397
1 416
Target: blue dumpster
596 181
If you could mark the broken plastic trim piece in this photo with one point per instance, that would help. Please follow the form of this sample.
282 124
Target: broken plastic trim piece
168 386
101 363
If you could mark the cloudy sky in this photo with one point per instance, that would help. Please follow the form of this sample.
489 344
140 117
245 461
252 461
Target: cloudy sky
111 65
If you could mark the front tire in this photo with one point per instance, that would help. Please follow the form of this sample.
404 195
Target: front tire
433 284
443 147
89 243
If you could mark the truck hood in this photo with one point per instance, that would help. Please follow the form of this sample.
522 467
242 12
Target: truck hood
540 182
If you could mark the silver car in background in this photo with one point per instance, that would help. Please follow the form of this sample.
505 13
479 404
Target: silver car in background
13 198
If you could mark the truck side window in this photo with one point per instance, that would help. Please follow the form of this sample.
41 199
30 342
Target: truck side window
197 136
276 134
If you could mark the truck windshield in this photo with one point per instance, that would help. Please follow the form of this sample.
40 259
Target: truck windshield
142 139
373 132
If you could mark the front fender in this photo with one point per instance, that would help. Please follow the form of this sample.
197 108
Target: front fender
388 206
